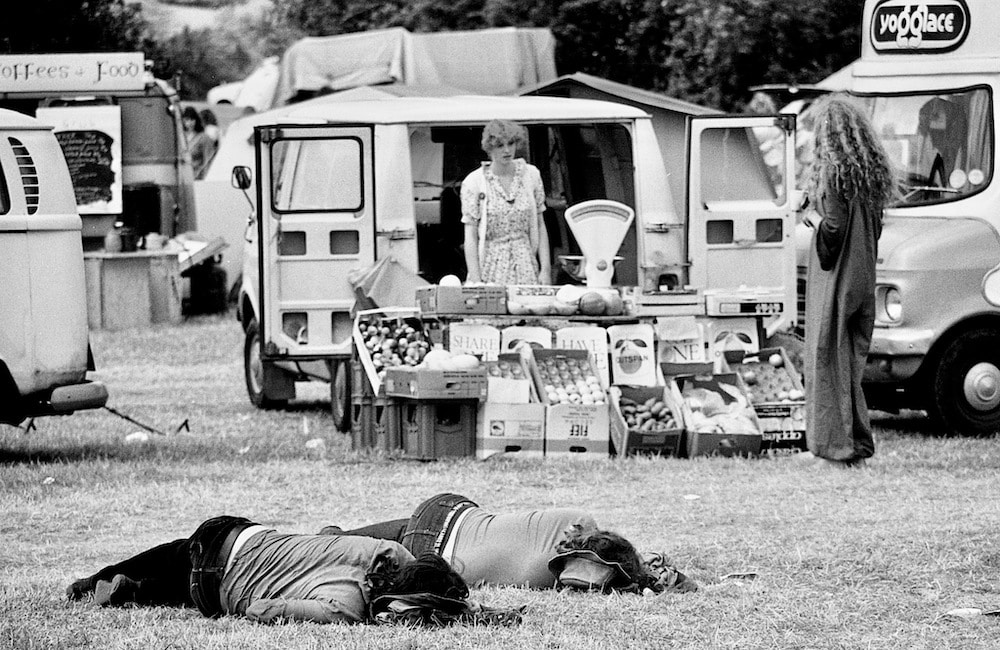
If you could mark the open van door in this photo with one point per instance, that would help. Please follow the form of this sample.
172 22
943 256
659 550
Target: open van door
315 225
741 242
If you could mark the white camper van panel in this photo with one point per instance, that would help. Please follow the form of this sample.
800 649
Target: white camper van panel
318 226
44 329
740 216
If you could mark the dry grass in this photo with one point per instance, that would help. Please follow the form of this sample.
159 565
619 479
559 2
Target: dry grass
845 559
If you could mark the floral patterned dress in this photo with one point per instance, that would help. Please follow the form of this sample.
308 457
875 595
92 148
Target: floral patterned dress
508 257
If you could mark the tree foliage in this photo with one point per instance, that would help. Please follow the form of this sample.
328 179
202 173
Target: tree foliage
705 51
73 26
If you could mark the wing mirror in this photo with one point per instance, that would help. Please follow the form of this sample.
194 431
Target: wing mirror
241 177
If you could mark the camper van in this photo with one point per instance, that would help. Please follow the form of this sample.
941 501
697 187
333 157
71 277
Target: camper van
928 74
342 185
44 347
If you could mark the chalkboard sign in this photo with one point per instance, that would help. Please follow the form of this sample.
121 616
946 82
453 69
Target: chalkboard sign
88 155
90 137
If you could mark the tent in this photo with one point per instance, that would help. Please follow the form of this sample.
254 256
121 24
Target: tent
516 57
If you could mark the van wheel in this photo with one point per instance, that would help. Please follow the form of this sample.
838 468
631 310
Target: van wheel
965 395
340 395
254 372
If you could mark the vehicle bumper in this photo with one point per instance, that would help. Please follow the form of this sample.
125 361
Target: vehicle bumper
895 354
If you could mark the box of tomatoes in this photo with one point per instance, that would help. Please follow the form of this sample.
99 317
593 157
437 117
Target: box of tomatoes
576 405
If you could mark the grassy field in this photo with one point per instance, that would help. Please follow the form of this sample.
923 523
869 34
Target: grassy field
871 558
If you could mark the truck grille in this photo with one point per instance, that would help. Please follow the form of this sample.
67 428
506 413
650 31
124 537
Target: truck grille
29 175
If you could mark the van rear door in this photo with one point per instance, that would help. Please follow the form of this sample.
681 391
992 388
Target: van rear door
315 226
741 237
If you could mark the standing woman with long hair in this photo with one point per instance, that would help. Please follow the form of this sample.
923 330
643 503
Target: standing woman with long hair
849 184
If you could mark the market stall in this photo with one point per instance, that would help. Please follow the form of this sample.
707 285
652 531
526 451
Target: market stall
579 370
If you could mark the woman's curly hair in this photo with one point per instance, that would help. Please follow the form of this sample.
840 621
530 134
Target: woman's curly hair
611 547
499 132
849 158
429 573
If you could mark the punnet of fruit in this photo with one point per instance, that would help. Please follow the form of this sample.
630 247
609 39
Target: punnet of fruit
719 406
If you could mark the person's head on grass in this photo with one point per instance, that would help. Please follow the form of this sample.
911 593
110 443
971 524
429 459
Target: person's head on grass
626 570
426 574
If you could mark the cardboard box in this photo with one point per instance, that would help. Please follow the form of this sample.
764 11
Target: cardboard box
479 299
680 339
477 339
508 380
364 355
424 384
628 440
591 338
731 337
578 430
783 427
729 389
633 359
510 429
531 295
536 337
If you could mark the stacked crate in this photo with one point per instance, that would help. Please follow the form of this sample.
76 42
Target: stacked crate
374 417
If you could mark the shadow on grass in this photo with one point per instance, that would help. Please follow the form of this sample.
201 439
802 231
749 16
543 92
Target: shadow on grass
915 423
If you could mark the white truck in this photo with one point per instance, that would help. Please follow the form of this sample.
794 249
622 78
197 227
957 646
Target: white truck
44 341
341 185
928 74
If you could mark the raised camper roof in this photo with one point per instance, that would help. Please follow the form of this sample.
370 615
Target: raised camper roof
469 109
14 120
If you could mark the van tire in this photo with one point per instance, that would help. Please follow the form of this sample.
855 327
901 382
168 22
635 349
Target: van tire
340 394
949 406
259 376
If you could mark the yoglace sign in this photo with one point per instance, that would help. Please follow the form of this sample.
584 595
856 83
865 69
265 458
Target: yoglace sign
907 27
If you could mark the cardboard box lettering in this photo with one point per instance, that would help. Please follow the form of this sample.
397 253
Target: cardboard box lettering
482 341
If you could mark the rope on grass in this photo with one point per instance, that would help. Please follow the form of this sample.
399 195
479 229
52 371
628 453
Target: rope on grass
140 424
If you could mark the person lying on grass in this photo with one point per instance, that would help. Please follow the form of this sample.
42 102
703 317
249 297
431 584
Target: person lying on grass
230 565
557 547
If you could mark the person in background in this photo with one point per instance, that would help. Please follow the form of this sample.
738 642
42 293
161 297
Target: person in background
211 125
849 183
231 565
539 549
502 205
199 144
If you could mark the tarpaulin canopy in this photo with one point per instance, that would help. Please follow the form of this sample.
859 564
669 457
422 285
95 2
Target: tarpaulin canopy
489 61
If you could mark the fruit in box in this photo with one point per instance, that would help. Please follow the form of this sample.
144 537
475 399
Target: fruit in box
711 414
769 379
393 342
651 415
570 380
506 370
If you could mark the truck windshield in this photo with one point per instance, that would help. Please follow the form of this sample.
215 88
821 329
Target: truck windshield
942 143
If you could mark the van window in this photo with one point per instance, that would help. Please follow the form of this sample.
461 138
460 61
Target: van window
334 182
942 143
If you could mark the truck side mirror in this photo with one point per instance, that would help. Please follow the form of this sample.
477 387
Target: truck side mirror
241 177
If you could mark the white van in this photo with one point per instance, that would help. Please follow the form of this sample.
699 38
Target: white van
44 346
342 185
929 74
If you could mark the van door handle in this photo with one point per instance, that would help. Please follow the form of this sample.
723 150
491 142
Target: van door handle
397 233
744 243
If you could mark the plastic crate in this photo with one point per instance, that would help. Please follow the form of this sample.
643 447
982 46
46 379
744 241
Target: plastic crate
375 424
433 429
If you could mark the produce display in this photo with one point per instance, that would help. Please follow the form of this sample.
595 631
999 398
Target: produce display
570 380
567 301
393 342
652 415
710 413
769 380
505 369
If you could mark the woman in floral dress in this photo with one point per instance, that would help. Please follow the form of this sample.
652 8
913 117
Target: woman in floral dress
502 206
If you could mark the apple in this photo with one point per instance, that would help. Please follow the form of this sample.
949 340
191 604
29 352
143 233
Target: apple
776 360
750 377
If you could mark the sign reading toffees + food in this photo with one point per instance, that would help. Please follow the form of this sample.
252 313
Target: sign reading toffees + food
33 73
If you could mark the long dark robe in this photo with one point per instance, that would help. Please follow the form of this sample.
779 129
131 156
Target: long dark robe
840 317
